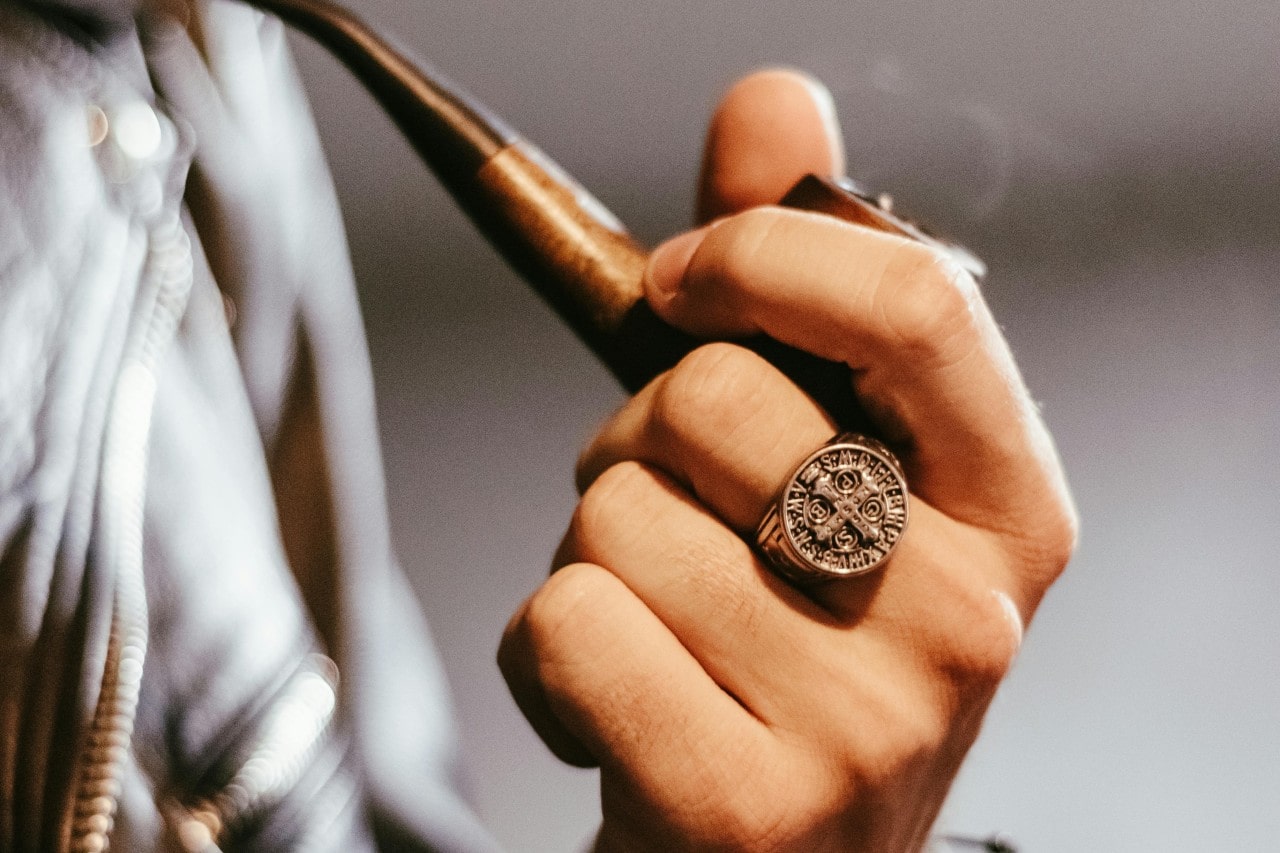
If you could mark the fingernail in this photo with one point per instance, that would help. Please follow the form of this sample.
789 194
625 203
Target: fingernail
668 263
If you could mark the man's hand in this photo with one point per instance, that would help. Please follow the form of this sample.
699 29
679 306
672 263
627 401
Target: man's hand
726 708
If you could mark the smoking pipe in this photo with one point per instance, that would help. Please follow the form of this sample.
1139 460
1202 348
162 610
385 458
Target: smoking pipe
559 238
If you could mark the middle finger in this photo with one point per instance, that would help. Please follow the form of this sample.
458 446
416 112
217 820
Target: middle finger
724 422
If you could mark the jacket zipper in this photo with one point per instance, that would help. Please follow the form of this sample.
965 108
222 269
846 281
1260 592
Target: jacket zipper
299 720
163 294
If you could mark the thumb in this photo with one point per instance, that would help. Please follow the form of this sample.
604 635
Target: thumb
770 129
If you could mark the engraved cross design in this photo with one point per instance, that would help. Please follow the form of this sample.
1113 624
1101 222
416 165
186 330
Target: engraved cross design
846 508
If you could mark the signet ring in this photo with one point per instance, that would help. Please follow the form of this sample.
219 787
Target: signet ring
840 515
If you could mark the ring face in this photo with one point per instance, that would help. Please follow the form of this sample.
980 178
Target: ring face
841 514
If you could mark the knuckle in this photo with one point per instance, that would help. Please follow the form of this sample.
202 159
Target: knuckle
983 639
986 650
620 489
928 304
908 732
567 602
1042 548
1060 537
711 391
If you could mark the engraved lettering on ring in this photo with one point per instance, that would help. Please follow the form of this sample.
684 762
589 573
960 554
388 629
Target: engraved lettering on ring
845 509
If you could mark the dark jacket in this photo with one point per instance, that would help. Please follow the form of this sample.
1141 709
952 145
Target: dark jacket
192 521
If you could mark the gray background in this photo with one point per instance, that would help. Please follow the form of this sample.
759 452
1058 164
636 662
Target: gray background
1116 163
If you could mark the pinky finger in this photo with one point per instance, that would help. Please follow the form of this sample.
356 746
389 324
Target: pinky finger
603 681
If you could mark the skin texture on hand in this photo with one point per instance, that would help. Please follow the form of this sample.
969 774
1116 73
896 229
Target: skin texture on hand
727 709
